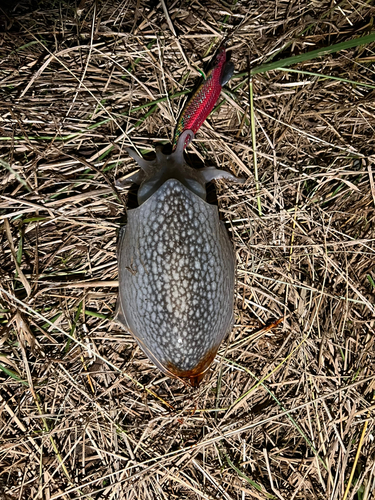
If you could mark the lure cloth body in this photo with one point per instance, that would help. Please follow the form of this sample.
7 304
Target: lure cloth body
201 103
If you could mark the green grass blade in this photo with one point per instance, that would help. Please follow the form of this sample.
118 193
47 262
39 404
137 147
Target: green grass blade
307 56
13 374
23 47
328 77
253 140
371 281
96 314
6 165
244 476
74 325
294 422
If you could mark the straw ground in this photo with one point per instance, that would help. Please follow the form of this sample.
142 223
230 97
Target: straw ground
287 408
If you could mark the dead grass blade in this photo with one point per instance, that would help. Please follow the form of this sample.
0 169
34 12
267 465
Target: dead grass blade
286 410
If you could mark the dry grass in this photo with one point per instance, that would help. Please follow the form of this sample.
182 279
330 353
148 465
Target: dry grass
287 409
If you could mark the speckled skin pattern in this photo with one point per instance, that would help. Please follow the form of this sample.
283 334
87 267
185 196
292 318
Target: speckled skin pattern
177 275
176 268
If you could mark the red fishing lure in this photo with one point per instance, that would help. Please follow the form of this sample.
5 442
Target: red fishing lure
201 103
